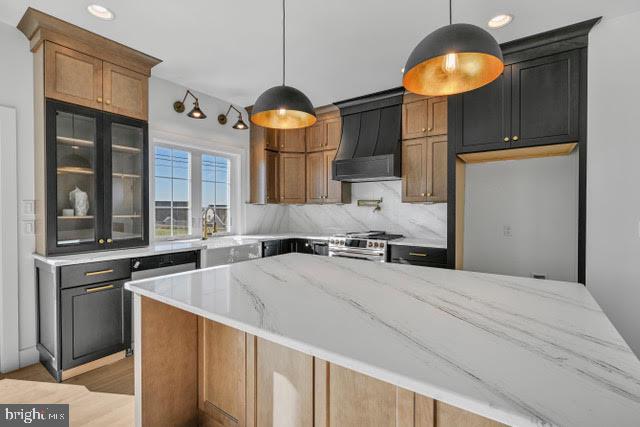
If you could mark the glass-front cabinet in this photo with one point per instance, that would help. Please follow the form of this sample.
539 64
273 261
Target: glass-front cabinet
97 180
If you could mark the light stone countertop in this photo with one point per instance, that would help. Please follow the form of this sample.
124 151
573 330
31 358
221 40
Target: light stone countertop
522 351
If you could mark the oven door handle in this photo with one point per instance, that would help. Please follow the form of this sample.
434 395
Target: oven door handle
355 251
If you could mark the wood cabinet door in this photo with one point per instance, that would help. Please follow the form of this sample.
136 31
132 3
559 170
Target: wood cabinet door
284 386
414 119
333 130
346 398
316 136
272 177
316 177
273 138
450 416
293 141
414 170
482 116
336 191
292 177
125 92
72 76
222 374
545 103
437 168
437 116
257 165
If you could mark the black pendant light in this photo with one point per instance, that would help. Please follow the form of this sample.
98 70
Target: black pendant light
453 59
283 107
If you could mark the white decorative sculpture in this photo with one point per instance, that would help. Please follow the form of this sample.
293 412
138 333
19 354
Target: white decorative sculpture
80 201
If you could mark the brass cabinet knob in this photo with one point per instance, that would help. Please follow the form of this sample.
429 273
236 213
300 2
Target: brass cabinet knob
422 194
515 138
108 102
506 139
99 99
109 241
424 130
430 129
428 194
101 241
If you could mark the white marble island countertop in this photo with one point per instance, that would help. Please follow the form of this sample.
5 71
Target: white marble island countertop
518 350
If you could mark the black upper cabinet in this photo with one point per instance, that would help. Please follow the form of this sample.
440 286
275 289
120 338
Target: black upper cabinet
545 100
534 102
96 180
485 115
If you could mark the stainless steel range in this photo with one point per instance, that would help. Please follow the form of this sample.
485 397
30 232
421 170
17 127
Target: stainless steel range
368 245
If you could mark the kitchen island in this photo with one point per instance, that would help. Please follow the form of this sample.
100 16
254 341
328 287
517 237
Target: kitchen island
299 339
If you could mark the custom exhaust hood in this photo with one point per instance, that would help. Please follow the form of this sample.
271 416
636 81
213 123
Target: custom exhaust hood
371 143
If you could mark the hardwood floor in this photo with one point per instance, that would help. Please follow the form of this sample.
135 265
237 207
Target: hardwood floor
114 378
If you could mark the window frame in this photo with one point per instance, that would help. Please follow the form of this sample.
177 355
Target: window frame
196 150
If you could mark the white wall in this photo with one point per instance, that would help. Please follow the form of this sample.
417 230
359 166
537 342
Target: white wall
16 90
613 173
538 200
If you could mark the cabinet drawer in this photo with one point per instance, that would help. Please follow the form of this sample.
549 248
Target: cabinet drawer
95 272
436 257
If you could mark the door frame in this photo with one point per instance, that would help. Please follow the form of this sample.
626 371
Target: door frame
9 287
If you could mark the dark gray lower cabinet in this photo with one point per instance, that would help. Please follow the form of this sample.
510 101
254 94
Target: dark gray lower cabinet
96 322
285 246
418 255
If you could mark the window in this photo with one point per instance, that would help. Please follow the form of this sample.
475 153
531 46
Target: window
172 192
216 189
187 182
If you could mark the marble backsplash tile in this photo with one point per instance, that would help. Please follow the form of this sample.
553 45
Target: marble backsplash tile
424 221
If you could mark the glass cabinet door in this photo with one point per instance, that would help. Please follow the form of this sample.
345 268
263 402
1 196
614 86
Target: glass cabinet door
75 138
128 183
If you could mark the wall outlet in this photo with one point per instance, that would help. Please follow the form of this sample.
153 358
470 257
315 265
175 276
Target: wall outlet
28 228
28 207
506 231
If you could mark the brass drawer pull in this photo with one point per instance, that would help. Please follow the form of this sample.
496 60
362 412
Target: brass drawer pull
98 289
417 254
98 273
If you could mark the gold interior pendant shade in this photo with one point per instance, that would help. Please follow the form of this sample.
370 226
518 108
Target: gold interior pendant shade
283 107
448 75
453 59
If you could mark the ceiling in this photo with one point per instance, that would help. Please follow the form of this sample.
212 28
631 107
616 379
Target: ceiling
336 49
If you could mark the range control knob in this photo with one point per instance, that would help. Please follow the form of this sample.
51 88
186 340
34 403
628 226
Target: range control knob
370 244
381 244
375 245
342 242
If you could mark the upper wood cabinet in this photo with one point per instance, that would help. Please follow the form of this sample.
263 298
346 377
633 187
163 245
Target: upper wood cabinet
272 181
424 149
292 178
72 77
125 92
273 138
320 187
292 140
83 68
423 116
414 119
80 79
535 102
325 134
414 170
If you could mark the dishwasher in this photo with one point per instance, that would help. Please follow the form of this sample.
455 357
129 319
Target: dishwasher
161 265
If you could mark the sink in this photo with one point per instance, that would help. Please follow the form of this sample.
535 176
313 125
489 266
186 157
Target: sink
230 249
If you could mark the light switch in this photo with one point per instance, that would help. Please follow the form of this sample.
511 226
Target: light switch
28 227
28 207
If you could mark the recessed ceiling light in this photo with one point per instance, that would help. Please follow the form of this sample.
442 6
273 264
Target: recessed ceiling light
499 21
100 12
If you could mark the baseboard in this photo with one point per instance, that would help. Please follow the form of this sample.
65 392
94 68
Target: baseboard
29 356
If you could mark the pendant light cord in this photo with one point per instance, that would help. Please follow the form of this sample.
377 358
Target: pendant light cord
450 13
284 50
